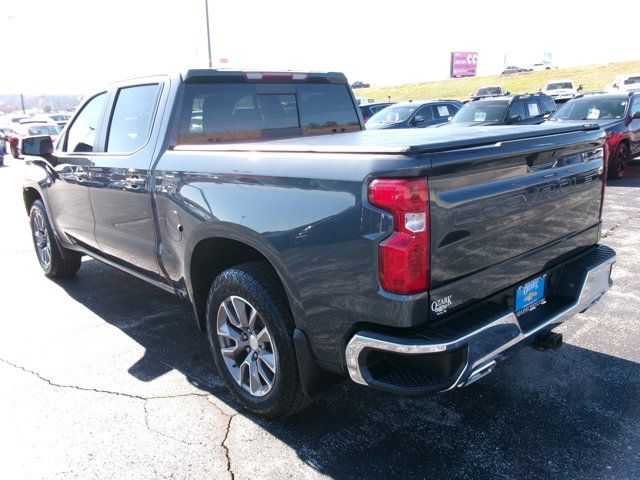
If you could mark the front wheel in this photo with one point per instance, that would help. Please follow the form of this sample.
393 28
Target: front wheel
618 164
14 152
48 251
250 332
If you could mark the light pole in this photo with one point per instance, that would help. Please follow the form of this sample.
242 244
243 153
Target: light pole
206 8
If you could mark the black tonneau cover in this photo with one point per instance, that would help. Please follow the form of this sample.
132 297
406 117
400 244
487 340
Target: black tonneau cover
408 141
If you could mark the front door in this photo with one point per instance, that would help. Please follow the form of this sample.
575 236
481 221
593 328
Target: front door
68 195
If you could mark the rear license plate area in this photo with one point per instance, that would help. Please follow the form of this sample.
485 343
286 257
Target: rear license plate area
530 295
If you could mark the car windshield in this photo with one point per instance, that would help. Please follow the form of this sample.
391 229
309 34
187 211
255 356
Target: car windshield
632 80
489 91
559 85
592 109
393 114
59 118
481 112
43 130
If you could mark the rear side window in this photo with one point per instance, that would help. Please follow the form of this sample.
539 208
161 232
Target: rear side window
219 112
82 134
131 119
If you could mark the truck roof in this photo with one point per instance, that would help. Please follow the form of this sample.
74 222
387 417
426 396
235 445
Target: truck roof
212 74
402 141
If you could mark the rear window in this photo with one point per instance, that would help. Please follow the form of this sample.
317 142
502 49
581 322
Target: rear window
220 112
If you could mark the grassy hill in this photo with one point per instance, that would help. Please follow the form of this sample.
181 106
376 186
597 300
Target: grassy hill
592 77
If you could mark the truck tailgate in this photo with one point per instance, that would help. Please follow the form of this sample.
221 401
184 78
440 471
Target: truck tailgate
502 213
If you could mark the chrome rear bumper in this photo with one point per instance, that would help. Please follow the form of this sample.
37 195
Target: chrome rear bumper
481 346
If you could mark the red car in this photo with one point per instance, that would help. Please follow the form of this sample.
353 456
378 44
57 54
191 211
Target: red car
616 113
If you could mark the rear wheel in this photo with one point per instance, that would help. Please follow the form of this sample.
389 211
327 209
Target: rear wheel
250 332
14 152
48 251
618 164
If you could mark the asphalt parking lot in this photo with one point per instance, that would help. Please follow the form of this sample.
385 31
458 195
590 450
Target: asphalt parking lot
103 376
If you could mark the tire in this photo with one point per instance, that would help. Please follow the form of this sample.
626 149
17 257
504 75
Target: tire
238 295
14 152
48 251
618 165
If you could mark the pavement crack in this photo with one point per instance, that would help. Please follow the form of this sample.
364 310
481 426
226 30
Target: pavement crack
97 390
223 444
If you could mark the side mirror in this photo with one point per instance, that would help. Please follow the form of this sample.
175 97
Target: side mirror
471 95
580 87
514 119
419 119
636 116
37 146
546 115
507 93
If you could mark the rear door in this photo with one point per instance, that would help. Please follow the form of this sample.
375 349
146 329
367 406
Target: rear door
120 178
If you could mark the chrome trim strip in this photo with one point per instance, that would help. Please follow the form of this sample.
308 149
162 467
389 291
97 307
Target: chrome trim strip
485 344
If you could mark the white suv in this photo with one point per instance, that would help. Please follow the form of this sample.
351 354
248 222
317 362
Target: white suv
561 90
624 83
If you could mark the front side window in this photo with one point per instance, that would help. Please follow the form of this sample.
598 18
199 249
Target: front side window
591 108
82 134
219 112
517 109
483 111
131 119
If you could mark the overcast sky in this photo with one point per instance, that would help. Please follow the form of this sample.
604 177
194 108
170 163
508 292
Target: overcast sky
69 46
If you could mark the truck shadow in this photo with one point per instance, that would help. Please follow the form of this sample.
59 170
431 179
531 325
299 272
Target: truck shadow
568 414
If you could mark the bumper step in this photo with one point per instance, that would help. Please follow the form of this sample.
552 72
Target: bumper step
466 347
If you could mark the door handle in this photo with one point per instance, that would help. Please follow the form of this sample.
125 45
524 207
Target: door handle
80 174
135 182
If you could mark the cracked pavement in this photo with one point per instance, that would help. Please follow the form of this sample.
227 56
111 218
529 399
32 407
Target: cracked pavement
103 376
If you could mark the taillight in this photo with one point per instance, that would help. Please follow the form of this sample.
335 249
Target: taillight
403 257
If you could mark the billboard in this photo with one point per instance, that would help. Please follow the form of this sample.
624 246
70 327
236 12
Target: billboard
464 64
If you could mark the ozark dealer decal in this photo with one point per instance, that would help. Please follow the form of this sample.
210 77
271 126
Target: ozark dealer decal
441 305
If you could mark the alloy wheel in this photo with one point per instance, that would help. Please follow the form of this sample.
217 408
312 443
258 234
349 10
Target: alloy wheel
246 346
41 239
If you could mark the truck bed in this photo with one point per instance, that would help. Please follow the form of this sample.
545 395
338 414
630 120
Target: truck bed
410 141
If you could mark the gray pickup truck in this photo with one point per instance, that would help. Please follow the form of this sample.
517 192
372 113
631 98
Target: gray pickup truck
411 261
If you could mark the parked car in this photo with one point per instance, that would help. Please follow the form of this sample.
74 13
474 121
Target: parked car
541 67
512 69
410 261
624 83
418 114
30 128
618 114
368 110
507 110
61 119
360 84
561 90
489 91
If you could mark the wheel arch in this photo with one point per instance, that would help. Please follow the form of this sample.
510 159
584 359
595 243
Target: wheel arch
210 253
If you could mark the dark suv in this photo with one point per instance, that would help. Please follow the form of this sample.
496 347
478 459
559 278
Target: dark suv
425 113
618 114
368 110
507 110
